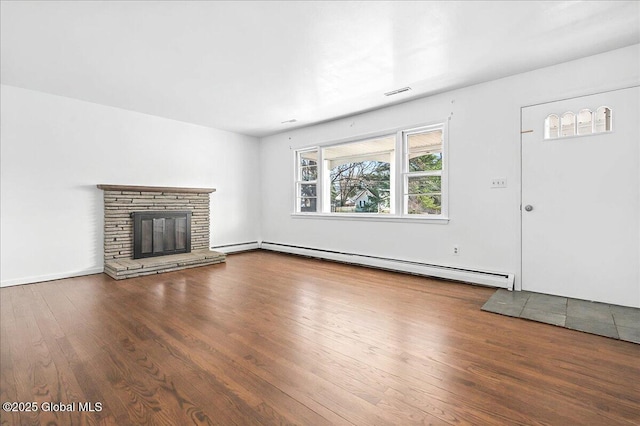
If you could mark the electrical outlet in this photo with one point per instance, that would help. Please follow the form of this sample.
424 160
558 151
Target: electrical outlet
456 250
499 182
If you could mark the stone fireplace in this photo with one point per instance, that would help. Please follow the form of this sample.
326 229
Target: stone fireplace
161 211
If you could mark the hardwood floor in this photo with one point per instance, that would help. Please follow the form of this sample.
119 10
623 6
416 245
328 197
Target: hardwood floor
275 339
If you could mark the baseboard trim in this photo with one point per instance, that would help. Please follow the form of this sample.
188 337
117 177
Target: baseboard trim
488 278
51 277
237 247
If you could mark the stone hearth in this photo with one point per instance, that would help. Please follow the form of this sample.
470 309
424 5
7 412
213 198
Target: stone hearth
130 268
122 200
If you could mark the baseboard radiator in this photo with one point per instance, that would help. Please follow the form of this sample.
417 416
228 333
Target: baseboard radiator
237 247
492 279
488 278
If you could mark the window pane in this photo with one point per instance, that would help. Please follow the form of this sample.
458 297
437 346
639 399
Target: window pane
308 190
425 151
551 127
584 122
308 204
424 204
426 162
568 123
603 120
361 187
424 184
308 173
307 197
360 175
308 158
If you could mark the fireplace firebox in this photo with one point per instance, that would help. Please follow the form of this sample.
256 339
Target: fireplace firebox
159 233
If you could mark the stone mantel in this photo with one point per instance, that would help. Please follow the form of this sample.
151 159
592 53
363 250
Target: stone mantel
165 189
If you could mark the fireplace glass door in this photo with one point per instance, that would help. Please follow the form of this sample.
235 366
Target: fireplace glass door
161 233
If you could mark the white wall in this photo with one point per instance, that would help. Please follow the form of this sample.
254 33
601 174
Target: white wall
484 142
54 150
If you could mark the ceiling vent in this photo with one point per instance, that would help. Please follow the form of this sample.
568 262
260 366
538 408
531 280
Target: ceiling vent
395 92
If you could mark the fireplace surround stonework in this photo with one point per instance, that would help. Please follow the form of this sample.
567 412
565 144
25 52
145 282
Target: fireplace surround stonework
120 201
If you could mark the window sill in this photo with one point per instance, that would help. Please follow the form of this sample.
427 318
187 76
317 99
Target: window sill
372 217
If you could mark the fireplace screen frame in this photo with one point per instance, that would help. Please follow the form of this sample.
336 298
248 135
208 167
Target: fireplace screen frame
163 226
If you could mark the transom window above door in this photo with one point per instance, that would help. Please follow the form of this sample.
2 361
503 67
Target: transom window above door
585 122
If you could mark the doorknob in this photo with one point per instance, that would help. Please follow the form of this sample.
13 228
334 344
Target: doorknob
528 207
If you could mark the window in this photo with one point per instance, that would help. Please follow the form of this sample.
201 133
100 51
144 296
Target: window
586 122
423 172
306 181
393 175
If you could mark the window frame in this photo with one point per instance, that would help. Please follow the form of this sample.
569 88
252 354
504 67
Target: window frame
406 173
298 181
398 167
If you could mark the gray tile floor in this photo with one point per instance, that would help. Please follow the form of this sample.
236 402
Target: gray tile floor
618 322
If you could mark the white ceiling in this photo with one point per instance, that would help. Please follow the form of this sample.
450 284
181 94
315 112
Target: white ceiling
248 66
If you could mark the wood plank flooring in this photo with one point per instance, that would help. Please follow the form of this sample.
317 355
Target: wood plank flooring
270 339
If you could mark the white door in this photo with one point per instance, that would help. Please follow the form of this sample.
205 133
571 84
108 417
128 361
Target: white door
581 199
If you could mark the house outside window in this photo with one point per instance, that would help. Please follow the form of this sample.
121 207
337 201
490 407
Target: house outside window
394 175
358 175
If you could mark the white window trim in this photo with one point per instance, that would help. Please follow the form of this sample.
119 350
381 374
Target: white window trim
398 214
372 217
